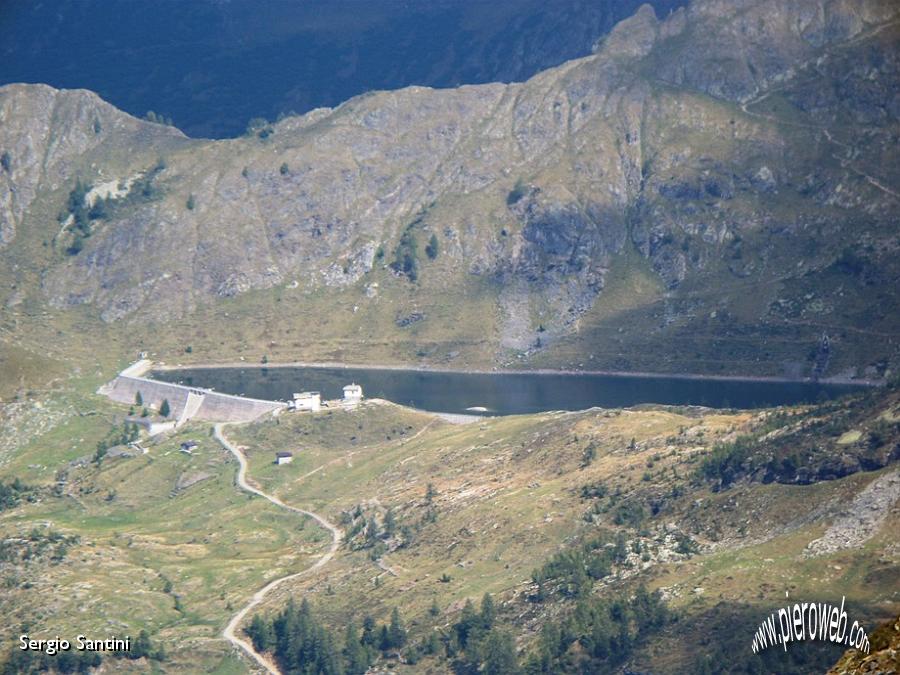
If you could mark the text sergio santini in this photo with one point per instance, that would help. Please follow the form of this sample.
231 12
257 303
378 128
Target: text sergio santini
82 644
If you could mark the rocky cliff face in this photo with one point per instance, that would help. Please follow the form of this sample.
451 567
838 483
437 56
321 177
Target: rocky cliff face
733 146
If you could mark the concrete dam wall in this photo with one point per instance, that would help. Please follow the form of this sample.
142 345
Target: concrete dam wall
186 402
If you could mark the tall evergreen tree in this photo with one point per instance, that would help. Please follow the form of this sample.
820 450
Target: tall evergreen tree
369 637
500 654
384 638
432 248
372 532
390 523
488 613
396 631
259 631
355 654
468 622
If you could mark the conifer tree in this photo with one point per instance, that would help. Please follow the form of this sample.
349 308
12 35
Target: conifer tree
371 532
368 634
500 654
396 631
468 621
355 654
390 523
488 613
432 248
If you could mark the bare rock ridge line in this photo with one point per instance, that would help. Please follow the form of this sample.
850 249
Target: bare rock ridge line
230 632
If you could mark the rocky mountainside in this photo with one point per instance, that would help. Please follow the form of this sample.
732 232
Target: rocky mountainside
713 192
883 659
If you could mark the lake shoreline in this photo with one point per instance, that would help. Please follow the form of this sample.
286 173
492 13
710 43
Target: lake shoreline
541 371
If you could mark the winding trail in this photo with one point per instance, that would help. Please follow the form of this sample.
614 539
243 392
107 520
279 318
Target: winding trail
230 632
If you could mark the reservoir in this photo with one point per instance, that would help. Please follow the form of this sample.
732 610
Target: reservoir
503 393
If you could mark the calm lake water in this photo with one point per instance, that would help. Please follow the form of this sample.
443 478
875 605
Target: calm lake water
502 394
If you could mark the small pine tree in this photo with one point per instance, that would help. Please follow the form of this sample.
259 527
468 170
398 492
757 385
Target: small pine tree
406 255
589 455
356 655
433 248
390 523
191 202
141 646
488 613
384 639
432 644
500 654
435 608
396 631
258 631
368 633
430 494
371 532
469 621
76 245
164 409
284 170
145 412
138 399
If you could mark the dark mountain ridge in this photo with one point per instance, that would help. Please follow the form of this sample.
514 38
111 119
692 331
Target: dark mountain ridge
212 66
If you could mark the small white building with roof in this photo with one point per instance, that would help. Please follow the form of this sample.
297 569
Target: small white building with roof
307 400
353 394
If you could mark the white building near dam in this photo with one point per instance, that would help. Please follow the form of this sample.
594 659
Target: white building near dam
353 394
307 400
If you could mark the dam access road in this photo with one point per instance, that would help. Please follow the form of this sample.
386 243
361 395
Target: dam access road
231 630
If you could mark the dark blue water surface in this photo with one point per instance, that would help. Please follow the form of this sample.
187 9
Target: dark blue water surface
503 393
